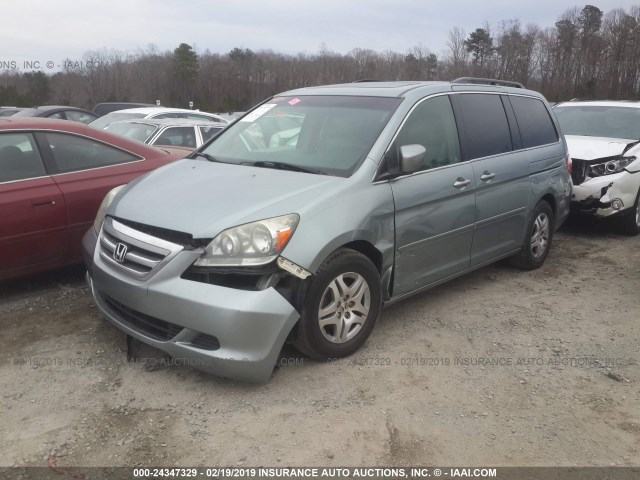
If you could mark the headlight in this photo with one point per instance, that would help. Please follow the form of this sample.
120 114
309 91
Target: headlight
610 167
97 223
254 243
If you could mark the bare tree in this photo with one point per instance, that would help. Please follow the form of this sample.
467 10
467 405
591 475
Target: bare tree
458 55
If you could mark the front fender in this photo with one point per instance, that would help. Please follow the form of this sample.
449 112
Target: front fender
361 214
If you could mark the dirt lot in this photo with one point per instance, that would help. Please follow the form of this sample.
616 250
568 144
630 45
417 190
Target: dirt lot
68 390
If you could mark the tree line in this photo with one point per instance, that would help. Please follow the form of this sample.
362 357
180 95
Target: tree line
586 54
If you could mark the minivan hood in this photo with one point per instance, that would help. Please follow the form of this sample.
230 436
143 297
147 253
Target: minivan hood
590 148
203 198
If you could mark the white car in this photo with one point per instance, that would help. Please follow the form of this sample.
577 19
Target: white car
604 143
157 113
177 132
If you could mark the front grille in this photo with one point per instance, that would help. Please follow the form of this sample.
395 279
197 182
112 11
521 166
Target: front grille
132 252
579 170
137 259
145 324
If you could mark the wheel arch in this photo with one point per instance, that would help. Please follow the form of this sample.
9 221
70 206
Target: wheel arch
381 255
368 250
551 200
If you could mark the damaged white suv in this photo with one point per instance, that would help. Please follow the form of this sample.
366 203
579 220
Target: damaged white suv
604 142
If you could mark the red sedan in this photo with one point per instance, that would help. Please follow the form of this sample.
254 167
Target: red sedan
53 176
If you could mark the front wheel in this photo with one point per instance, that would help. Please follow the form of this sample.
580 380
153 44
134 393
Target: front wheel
538 239
630 222
341 306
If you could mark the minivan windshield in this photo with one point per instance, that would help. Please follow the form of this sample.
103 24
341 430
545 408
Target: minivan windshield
599 121
324 134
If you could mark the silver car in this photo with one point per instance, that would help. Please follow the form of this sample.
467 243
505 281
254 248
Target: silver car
320 205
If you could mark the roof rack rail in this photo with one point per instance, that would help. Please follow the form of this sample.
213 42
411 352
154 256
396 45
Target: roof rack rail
488 81
364 80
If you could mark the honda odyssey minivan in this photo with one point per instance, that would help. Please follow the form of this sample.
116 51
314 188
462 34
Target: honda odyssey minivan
301 220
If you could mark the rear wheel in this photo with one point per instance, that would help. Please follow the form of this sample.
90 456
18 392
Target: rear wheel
631 222
341 306
538 240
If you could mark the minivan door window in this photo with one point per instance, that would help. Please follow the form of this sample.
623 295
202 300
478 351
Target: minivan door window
485 126
502 176
433 126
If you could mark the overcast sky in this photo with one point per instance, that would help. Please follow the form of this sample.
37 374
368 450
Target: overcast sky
52 30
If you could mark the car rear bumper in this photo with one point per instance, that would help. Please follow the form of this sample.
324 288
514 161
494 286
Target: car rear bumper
228 332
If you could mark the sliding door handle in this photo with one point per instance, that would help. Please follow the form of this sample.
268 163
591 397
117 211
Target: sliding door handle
486 176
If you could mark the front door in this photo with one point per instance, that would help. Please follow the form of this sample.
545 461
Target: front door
435 207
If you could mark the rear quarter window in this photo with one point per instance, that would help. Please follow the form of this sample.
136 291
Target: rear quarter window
72 153
209 132
534 122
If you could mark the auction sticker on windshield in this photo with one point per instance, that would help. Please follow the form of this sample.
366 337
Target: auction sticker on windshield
258 112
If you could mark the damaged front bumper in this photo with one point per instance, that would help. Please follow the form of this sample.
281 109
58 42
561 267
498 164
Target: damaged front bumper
229 332
607 195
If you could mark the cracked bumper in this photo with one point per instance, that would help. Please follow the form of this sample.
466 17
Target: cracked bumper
250 327
598 196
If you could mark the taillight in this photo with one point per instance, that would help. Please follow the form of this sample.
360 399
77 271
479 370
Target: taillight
567 159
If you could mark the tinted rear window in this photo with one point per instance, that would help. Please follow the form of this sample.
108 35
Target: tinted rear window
534 122
486 130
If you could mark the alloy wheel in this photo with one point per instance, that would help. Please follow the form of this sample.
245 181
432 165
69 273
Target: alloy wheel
540 235
344 307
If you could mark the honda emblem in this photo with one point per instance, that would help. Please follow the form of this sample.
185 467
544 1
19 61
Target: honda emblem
120 252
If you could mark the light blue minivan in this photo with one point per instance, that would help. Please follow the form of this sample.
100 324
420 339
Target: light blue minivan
320 205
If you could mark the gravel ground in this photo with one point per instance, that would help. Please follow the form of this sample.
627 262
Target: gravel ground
500 367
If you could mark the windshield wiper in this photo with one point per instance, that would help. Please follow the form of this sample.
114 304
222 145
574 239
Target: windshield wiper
264 164
211 158
284 166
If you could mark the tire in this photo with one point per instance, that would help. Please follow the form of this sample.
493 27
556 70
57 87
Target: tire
630 223
347 288
538 239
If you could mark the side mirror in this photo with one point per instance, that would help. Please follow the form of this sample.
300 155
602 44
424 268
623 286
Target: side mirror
412 158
